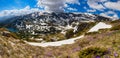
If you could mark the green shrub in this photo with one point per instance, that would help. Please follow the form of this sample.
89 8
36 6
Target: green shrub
117 27
92 52
116 21
14 35
91 33
84 27
69 33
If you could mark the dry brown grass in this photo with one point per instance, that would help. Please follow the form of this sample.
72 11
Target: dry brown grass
107 41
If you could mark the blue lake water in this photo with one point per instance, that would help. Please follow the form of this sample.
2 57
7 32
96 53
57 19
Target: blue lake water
12 29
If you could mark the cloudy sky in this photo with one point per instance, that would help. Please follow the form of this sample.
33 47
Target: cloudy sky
20 7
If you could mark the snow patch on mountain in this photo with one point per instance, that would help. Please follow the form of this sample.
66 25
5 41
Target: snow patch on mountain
100 25
58 43
68 27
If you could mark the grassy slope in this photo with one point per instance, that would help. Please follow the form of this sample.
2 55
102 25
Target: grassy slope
101 42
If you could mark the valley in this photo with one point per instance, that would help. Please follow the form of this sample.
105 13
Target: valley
72 40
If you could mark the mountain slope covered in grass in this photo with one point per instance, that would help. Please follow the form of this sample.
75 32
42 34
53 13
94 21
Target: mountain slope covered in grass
104 44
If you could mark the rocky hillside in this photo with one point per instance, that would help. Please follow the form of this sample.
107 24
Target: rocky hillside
38 25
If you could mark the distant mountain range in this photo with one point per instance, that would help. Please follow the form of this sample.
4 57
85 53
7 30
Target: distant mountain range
59 35
41 23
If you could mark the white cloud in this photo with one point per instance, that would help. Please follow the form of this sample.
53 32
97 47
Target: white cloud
72 1
112 13
72 9
93 10
56 5
113 5
85 7
103 4
96 4
17 12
